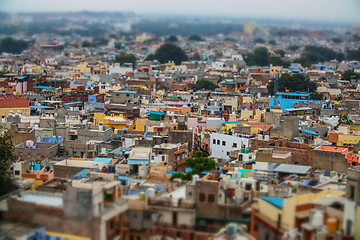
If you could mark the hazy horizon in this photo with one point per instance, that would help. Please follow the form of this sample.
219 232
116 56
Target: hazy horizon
316 10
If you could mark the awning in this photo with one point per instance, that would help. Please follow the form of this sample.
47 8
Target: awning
135 162
44 87
41 107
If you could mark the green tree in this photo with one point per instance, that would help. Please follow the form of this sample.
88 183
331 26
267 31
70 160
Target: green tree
315 95
86 44
195 38
293 83
319 54
10 45
303 60
272 42
281 52
204 84
182 176
350 73
171 38
170 52
199 163
150 57
126 58
344 119
336 40
259 57
353 54
259 40
6 158
293 48
276 61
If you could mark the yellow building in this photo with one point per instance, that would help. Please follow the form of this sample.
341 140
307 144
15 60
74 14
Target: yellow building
284 214
114 122
138 126
83 67
344 139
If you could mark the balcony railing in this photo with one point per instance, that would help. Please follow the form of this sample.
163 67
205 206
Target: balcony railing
171 203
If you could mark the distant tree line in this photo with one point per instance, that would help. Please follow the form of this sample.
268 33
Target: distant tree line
10 45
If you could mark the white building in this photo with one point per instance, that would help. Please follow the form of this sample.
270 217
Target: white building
222 144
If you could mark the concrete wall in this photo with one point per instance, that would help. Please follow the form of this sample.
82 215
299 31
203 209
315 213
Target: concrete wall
331 161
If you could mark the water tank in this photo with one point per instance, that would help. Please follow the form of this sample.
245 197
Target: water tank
232 184
162 125
195 178
260 137
71 108
101 128
103 150
29 143
142 196
116 131
266 137
150 192
331 224
317 219
292 233
246 150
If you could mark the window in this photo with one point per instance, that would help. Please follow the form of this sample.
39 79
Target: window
17 172
160 151
162 158
127 94
211 198
235 145
214 141
218 142
223 143
202 197
132 237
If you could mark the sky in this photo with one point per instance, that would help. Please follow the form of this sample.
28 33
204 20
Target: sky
334 10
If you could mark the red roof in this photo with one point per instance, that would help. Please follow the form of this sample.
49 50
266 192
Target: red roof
14 103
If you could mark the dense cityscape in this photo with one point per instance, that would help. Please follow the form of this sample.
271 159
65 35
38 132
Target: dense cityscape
120 125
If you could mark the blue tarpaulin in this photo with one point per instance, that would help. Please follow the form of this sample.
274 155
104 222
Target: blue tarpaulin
82 174
44 87
103 160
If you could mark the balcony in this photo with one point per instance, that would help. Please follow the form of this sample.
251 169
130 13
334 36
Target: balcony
170 203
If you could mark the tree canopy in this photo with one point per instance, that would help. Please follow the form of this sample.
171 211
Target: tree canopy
126 58
195 38
169 52
10 45
293 48
6 158
199 163
171 38
353 54
259 57
204 84
350 73
304 61
317 54
281 52
293 83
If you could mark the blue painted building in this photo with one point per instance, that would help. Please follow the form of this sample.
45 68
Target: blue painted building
287 100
